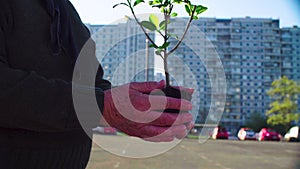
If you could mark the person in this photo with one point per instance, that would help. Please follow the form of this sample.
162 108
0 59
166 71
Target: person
40 41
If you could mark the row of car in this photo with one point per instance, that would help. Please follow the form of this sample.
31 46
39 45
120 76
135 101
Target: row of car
219 132
105 130
265 134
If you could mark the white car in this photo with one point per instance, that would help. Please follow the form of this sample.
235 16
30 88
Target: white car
246 134
292 134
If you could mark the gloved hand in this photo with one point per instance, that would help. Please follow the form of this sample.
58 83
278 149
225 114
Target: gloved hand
131 109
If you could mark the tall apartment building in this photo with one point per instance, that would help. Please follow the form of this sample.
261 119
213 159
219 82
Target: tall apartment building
253 52
249 49
121 49
290 49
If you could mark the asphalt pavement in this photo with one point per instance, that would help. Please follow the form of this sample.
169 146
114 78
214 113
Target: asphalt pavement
190 154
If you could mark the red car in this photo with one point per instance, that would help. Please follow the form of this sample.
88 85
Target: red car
268 134
246 134
219 133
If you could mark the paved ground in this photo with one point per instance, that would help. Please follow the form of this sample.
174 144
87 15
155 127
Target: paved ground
190 154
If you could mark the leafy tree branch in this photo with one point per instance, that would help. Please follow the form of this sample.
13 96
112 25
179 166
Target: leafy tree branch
161 27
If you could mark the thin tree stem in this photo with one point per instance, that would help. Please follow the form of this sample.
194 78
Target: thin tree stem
162 35
143 29
185 32
167 17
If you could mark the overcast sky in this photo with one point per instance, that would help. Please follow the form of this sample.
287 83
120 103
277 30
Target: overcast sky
288 11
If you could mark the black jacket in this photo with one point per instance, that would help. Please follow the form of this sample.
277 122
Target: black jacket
38 123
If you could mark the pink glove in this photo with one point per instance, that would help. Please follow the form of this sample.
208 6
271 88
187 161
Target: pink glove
132 110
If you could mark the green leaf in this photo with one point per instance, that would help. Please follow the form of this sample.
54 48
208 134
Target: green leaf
158 52
158 6
187 9
167 3
162 24
156 1
137 2
165 45
152 46
174 14
177 1
192 7
195 17
174 36
200 9
148 25
154 19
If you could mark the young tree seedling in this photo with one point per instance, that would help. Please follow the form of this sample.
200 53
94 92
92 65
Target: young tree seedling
161 27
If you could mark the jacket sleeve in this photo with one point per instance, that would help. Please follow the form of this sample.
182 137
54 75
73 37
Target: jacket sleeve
33 102
99 81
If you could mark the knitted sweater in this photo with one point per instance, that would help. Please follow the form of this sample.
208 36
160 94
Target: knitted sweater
38 124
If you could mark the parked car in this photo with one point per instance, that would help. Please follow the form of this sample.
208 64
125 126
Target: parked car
293 134
268 134
231 136
246 134
194 131
105 130
219 133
